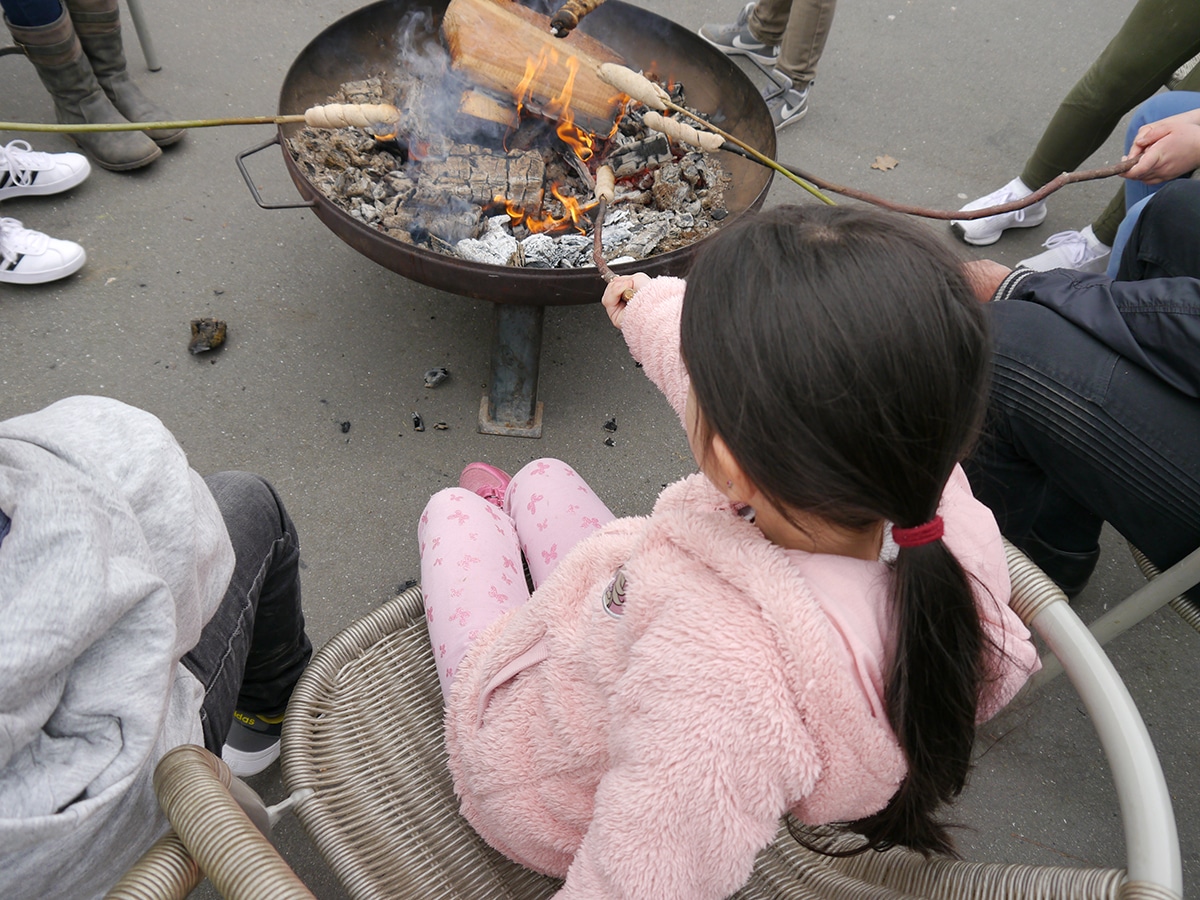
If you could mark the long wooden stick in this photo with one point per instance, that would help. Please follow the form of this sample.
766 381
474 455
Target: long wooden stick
84 127
648 93
651 95
333 115
957 214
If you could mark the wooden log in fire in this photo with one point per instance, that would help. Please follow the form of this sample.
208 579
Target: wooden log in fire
508 50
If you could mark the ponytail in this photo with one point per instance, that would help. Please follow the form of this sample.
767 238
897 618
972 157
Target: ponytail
933 685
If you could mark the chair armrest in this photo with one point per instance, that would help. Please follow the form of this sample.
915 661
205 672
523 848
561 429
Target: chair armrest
1151 838
193 788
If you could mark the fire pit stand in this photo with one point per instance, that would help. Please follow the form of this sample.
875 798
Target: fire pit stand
367 40
510 405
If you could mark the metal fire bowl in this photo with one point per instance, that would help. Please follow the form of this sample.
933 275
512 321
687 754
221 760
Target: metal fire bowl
365 42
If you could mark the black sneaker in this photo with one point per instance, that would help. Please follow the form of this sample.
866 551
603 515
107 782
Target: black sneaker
737 39
253 743
786 102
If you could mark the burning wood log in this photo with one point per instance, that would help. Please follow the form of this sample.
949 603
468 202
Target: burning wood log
508 50
488 108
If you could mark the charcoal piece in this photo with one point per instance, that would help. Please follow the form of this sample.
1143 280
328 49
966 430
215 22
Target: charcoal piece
574 250
418 422
613 236
644 154
609 442
447 224
436 376
207 334
496 246
365 212
479 176
670 191
645 238
345 426
539 252
610 425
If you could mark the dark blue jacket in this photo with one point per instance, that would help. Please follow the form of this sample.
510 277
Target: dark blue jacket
1154 323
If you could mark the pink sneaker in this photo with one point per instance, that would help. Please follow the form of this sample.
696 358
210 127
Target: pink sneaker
487 481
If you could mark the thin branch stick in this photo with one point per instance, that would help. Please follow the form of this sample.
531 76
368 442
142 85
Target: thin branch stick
1040 194
798 177
598 242
84 127
605 194
333 115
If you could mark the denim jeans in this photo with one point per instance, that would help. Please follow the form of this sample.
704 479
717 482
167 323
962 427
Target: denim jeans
253 650
1137 193
31 13
1077 436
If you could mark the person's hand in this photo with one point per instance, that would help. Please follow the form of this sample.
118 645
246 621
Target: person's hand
614 295
985 276
1165 149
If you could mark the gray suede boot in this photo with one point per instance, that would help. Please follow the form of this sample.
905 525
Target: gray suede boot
98 24
58 57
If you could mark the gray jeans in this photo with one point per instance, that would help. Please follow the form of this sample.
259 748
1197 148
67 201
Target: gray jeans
800 28
253 649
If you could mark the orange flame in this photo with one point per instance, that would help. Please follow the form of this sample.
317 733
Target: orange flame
573 215
557 107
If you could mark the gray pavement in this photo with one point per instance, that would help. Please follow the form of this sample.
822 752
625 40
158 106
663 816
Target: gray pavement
956 90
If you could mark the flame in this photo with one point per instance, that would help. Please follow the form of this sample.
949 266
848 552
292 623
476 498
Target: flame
558 107
573 215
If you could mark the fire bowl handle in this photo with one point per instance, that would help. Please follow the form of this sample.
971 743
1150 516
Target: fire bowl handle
240 159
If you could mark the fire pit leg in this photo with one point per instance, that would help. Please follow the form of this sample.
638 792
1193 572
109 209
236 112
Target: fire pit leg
511 406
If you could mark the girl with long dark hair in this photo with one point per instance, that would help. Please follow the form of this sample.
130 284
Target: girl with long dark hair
812 624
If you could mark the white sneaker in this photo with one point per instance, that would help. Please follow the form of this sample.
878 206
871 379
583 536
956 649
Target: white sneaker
30 257
982 232
1080 250
25 172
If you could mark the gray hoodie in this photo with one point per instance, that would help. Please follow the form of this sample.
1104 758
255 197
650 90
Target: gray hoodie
116 557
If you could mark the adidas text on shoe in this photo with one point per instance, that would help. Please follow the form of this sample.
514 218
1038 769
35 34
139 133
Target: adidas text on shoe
30 257
738 40
253 743
1080 250
25 172
982 232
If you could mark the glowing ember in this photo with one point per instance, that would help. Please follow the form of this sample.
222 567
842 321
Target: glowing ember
573 215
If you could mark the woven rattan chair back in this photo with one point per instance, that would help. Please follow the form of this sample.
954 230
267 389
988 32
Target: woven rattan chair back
364 731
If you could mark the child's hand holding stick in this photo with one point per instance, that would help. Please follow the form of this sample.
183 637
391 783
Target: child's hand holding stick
619 292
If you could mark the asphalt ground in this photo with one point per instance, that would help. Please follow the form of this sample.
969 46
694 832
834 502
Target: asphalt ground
957 91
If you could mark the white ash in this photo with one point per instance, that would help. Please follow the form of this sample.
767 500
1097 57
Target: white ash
447 201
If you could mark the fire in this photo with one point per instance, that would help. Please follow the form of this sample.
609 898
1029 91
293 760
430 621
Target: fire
573 215
558 107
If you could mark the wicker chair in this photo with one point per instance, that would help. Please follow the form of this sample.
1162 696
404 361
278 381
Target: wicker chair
362 743
364 733
1162 589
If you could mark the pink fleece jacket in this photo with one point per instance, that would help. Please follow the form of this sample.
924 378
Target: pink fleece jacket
647 749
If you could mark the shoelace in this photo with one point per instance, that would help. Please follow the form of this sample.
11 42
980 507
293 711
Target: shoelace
15 239
23 162
1073 243
998 198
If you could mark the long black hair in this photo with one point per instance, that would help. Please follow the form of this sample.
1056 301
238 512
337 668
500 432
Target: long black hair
841 356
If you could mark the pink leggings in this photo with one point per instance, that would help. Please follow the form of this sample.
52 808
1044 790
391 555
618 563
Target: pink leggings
471 550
